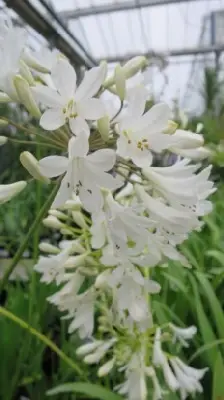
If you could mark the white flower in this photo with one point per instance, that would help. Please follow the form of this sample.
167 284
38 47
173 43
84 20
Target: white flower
83 317
168 219
160 360
183 334
100 351
106 368
52 268
84 173
42 60
140 133
182 187
11 48
70 104
188 377
7 192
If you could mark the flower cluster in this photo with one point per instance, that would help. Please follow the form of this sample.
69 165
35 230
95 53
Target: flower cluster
119 215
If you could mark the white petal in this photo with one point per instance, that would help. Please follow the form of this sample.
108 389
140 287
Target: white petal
92 200
91 83
79 126
47 96
64 193
53 166
91 109
78 146
142 158
155 119
123 148
186 139
64 77
103 159
137 102
52 119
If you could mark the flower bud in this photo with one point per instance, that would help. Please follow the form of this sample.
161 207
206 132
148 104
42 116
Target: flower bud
120 84
65 231
79 219
25 72
91 261
7 192
74 245
48 248
52 222
199 127
103 125
134 65
75 261
31 164
4 98
171 127
101 280
194 154
25 95
88 271
93 358
72 205
106 368
58 214
187 140
88 348
3 140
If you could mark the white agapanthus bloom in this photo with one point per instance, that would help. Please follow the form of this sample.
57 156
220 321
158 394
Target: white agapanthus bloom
84 173
187 377
182 187
67 103
52 268
118 223
11 48
140 134
183 334
7 192
177 374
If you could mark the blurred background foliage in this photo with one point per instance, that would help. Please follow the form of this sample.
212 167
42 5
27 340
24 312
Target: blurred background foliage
188 297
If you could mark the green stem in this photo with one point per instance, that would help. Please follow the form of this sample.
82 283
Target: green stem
43 339
32 229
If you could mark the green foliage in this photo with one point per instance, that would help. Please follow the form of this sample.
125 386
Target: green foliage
89 389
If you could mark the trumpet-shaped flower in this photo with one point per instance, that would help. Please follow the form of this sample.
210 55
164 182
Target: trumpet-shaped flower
84 173
139 133
67 103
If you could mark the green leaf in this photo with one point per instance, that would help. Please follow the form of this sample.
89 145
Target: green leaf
218 378
213 302
89 389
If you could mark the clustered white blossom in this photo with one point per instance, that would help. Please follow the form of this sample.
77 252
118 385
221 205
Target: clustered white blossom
119 215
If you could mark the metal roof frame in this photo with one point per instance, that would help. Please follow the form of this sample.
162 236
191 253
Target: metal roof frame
116 7
42 24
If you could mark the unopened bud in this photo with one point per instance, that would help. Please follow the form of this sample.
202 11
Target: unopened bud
134 65
7 192
48 248
25 72
171 127
72 205
93 358
31 164
25 95
106 368
65 231
4 98
194 154
75 261
3 140
103 125
199 127
119 75
74 245
101 280
88 348
58 214
52 222
187 140
79 219
88 271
